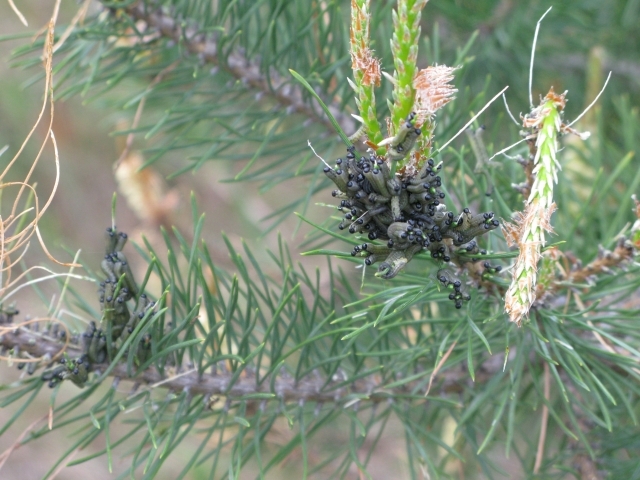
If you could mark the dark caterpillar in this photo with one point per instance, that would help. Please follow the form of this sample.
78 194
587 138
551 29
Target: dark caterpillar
117 293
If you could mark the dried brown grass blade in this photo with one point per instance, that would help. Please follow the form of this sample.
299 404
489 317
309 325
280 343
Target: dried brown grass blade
5 455
439 366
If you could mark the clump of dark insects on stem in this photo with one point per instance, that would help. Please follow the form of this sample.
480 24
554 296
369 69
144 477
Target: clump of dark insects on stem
100 345
404 215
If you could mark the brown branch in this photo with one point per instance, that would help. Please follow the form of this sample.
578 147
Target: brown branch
604 262
219 382
246 70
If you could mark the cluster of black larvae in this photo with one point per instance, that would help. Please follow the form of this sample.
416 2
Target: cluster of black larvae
118 322
407 213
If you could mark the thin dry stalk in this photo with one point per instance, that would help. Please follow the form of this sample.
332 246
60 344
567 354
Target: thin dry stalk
77 18
17 444
544 420
18 13
21 224
64 463
12 242
439 366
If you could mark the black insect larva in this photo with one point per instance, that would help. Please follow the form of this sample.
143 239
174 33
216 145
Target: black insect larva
118 322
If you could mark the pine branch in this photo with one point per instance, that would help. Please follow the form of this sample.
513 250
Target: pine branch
248 71
219 381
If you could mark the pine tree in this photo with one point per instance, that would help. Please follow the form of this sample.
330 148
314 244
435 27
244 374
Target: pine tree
476 351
